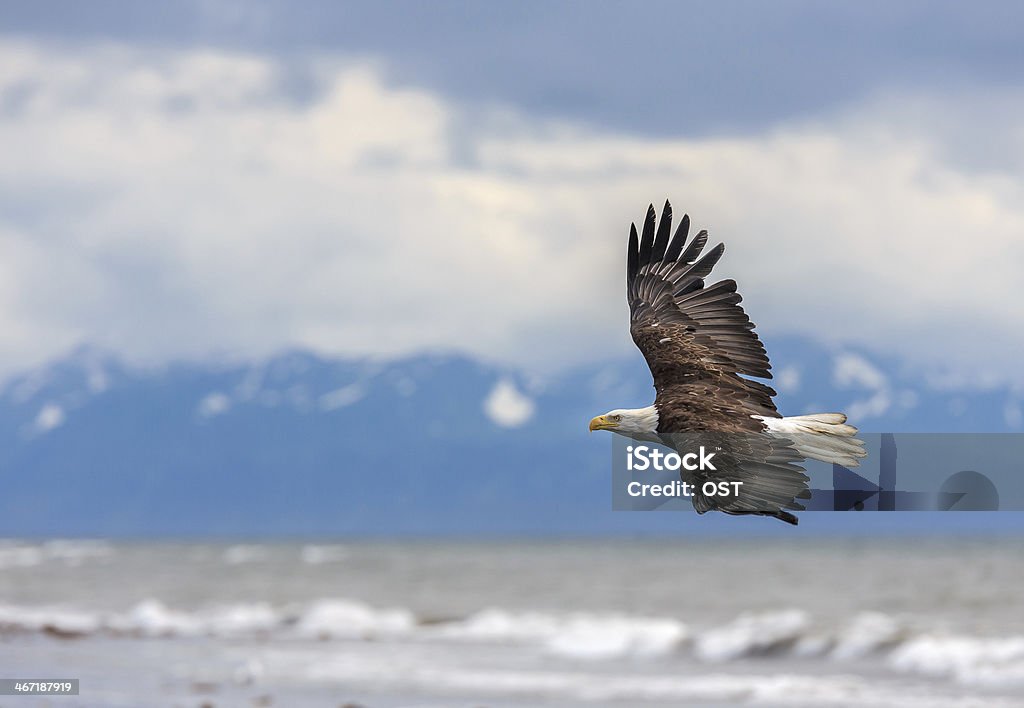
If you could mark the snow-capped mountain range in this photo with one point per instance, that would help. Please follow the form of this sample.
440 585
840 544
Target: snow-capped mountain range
300 444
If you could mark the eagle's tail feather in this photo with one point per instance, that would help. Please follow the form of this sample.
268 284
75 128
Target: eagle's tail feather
820 436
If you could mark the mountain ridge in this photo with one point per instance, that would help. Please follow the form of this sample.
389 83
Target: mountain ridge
304 444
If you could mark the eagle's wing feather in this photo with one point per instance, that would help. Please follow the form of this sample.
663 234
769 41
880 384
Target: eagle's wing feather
769 469
701 347
693 335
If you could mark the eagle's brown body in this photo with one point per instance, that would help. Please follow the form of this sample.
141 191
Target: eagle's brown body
704 355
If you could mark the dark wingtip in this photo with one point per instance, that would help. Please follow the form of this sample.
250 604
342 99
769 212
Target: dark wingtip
695 247
661 240
632 254
647 239
706 264
679 240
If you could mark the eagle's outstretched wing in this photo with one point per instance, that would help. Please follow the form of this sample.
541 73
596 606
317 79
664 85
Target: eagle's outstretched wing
697 340
701 346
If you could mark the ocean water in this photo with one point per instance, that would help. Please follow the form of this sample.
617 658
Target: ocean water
880 621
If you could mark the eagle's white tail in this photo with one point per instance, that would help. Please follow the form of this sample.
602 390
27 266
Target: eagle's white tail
820 436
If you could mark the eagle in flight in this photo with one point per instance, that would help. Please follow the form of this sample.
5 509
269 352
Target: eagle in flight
705 358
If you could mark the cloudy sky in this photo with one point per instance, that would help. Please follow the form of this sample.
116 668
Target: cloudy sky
229 179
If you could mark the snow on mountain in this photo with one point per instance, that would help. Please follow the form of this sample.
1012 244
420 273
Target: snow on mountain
304 444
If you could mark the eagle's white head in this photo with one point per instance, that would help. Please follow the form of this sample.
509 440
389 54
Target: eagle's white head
628 421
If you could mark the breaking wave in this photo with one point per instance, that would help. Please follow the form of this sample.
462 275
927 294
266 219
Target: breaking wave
970 660
582 636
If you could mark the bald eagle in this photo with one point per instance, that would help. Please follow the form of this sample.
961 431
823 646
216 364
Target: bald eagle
704 357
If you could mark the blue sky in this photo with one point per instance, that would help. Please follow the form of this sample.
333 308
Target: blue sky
664 67
227 178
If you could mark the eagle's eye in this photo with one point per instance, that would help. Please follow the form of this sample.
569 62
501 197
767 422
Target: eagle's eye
616 418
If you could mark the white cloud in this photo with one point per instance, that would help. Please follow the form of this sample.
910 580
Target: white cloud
341 397
50 416
787 380
213 404
506 406
98 381
854 371
175 203
875 405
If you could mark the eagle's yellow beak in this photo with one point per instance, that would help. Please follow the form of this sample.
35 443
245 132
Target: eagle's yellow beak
601 422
